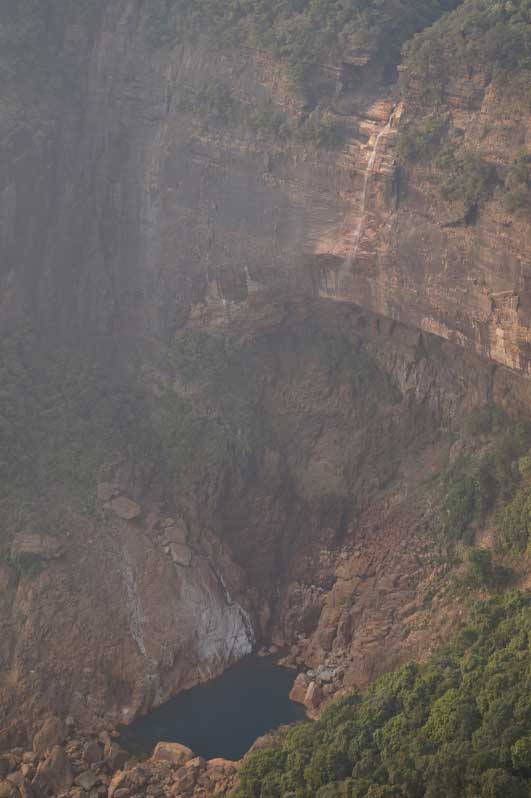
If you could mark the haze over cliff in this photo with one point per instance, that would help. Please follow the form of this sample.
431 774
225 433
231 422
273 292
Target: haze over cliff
260 264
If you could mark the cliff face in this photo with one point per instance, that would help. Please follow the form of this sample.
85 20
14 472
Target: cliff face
457 271
115 198
131 219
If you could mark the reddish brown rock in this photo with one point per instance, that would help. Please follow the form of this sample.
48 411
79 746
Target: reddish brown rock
172 752
87 780
51 733
181 554
298 691
124 508
115 756
118 782
313 697
92 752
54 774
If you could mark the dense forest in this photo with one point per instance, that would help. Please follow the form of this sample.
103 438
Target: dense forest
456 727
482 32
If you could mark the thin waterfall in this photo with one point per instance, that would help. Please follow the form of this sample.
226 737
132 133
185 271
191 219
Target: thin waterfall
366 180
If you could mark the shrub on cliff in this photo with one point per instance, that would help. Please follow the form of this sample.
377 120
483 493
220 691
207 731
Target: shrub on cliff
297 31
474 486
465 176
478 34
419 141
516 192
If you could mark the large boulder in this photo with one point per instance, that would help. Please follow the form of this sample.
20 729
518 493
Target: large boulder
118 782
92 753
175 533
54 774
124 508
313 697
175 753
181 554
299 689
51 733
115 756
87 780
127 782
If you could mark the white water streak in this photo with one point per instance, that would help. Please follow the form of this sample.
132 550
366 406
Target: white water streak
366 181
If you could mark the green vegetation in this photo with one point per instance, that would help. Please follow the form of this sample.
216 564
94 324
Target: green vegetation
62 414
461 174
473 485
514 520
218 422
457 727
479 34
27 564
299 31
418 141
215 103
65 413
482 573
199 443
516 193
465 176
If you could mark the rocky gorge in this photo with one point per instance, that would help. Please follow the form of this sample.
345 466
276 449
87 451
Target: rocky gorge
237 364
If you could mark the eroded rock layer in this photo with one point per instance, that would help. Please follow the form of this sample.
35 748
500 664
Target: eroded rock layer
280 310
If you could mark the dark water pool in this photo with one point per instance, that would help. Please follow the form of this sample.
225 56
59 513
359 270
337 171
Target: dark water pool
222 717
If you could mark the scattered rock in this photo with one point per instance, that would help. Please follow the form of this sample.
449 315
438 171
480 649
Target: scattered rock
124 508
185 779
52 733
118 782
176 534
88 779
92 753
175 753
115 756
54 774
181 554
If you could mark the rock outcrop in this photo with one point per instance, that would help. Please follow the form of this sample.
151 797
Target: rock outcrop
125 222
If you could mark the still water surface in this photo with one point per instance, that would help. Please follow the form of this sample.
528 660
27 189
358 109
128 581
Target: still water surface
222 717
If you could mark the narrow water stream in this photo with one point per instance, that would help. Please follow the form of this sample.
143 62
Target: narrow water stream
366 180
221 718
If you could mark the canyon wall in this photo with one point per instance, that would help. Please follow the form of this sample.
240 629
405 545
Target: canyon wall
127 222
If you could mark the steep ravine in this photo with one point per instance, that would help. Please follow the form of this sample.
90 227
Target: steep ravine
277 491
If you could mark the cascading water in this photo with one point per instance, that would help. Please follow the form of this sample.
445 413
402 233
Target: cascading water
366 181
